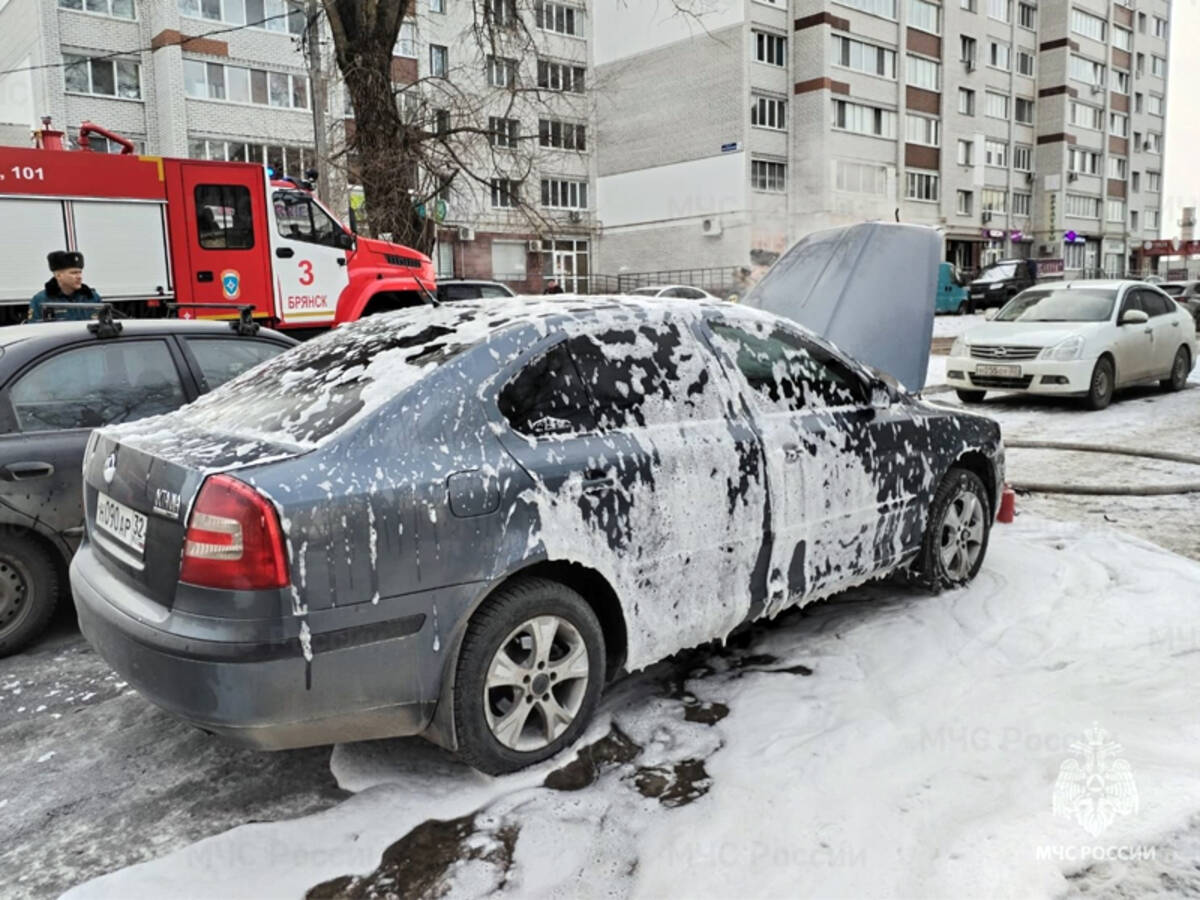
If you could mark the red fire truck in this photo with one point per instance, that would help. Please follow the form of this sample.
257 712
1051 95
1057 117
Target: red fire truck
155 230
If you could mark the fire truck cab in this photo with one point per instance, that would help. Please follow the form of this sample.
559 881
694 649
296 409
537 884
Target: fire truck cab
156 230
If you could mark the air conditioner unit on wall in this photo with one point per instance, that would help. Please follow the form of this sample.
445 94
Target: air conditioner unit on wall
710 227
535 246
575 216
466 233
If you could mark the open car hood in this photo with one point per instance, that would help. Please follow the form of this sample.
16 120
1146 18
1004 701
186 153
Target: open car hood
869 289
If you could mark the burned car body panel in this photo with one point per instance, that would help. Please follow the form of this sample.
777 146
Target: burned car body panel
421 458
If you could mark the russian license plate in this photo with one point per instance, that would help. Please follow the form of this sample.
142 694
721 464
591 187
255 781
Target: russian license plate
126 525
999 371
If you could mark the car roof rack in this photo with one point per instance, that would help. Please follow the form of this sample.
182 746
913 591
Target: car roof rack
106 324
244 324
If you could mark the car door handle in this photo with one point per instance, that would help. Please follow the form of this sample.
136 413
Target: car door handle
792 453
285 252
1148 331
204 275
24 471
598 480
1174 324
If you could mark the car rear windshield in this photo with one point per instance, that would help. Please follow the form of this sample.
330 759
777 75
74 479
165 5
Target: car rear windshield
998 273
309 393
1087 305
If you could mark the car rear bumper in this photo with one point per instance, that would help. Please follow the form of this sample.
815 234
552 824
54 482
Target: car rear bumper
1037 376
370 681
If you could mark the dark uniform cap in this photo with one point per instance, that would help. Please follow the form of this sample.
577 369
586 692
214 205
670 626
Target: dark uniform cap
65 259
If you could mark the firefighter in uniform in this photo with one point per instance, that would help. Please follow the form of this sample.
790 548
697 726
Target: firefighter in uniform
65 287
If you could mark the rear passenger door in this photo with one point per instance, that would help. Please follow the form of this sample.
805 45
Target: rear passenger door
54 404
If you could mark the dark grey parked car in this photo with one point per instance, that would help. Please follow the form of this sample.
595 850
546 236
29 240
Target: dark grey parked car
461 521
58 381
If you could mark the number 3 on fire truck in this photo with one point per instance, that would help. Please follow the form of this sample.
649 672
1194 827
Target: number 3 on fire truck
306 267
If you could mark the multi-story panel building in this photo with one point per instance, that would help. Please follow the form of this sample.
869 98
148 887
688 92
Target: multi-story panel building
1008 124
229 79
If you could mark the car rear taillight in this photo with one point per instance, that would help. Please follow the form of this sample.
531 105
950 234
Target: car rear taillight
233 539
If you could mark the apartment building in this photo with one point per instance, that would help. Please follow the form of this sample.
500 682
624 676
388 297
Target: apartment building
1017 128
523 213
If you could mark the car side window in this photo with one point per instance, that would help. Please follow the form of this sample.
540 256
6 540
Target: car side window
1156 304
547 397
786 372
221 359
490 292
98 385
451 292
1133 300
691 293
647 374
298 218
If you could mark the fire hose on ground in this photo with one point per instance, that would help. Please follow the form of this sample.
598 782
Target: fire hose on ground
1186 487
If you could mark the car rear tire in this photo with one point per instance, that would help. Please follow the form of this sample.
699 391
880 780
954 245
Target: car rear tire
29 587
971 396
1100 388
956 536
1181 366
529 675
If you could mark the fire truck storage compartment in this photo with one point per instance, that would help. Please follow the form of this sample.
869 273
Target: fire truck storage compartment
123 243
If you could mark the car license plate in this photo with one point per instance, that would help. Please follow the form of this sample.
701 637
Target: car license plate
127 525
999 371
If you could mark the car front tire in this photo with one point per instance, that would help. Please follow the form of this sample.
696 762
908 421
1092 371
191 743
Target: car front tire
29 587
1180 367
1100 388
529 675
956 536
971 396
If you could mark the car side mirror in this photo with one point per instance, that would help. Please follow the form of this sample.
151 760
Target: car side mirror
346 240
1134 317
881 395
989 315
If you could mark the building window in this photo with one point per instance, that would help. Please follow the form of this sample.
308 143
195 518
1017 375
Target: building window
1118 124
1027 16
437 6
999 56
118 9
1023 111
1000 9
1133 220
1160 28
924 73
104 145
1086 70
925 16
863 57
1085 162
103 77
1085 116
213 81
966 101
270 15
562 135
884 8
1158 67
283 159
966 50
1141 19
505 193
439 60
1116 211
501 72
968 5
996 105
1081 207
560 77
994 200
995 153
1117 167
1088 25
558 17
966 202
1122 39
563 193
1140 64
1139 103
1154 182
922 185
768 176
923 130
770 48
406 42
501 13
1152 220
1135 181
1025 63
1119 81
1022 158
503 132
1154 104
768 112
966 152
860 119
1153 143
1073 256
860 178
1021 203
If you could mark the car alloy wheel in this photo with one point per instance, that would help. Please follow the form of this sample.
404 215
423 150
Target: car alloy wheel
962 535
1180 368
536 683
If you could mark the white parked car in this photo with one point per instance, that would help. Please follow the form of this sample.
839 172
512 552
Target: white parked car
674 290
1085 338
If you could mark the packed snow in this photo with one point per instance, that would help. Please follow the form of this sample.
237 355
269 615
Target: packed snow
884 743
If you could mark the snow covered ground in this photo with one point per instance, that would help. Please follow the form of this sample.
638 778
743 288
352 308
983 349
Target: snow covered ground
889 743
